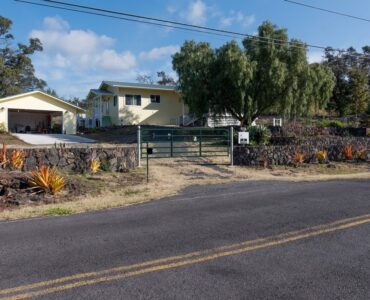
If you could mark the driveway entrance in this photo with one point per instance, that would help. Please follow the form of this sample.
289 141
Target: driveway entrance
50 139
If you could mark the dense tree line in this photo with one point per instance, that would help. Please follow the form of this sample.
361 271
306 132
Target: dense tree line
274 76
250 81
351 95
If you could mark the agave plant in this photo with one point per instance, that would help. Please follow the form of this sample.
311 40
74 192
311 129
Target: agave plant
298 158
3 158
17 159
322 156
348 152
94 166
361 155
47 179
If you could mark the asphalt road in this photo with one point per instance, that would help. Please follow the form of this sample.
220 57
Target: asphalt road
253 240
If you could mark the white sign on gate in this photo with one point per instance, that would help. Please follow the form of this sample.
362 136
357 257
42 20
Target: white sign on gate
243 138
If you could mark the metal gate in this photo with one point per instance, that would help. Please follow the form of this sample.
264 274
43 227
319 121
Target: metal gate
184 142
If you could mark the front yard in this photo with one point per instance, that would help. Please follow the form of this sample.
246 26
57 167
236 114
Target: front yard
86 192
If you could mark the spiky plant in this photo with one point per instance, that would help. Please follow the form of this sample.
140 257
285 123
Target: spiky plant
298 158
17 159
3 157
94 166
322 156
361 155
348 152
47 179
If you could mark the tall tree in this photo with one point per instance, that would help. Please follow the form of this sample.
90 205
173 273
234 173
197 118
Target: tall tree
246 83
17 73
165 79
359 91
193 67
147 79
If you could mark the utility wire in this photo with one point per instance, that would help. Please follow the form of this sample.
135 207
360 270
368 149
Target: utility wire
238 36
175 25
327 10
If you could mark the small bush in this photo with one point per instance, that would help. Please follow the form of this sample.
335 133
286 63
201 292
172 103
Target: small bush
298 158
46 179
259 135
105 165
322 156
348 152
3 128
361 155
331 123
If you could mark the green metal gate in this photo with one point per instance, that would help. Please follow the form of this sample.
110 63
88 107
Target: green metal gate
184 142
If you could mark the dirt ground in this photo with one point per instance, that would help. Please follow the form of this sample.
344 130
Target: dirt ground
8 139
119 135
168 177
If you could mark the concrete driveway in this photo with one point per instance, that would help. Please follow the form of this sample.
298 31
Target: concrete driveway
49 139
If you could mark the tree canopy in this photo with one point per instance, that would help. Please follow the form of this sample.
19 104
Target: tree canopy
17 73
351 95
247 82
163 79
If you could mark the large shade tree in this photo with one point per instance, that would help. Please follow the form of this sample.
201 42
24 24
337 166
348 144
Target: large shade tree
17 73
271 72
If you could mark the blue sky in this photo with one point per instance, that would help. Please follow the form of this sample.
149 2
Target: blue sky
82 50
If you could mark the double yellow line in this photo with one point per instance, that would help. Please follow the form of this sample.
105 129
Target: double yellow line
119 273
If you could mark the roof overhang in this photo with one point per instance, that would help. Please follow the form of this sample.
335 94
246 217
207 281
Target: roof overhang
77 108
140 86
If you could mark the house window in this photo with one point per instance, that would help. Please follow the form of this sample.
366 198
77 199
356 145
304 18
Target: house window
115 101
155 99
107 107
133 100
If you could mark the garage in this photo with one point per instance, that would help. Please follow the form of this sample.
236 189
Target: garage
35 121
40 113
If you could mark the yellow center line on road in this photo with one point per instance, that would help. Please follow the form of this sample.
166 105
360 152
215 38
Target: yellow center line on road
179 261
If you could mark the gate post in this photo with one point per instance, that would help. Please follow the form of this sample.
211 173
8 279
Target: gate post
172 143
231 137
139 146
200 142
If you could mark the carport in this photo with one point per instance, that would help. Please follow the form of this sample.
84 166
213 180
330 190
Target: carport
38 112
35 121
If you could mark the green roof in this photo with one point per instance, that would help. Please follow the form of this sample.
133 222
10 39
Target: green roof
140 85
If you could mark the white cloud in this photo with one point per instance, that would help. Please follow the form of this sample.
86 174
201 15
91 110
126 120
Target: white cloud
74 60
196 13
111 60
159 53
315 56
237 18
56 23
82 49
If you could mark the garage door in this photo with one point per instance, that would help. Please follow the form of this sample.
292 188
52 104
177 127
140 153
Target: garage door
35 121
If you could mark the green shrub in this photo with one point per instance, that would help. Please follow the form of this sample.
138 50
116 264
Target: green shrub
259 135
331 123
105 165
3 128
